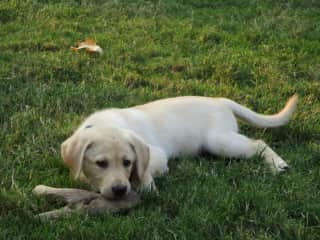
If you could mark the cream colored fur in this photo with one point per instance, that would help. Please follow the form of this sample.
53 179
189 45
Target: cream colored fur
148 135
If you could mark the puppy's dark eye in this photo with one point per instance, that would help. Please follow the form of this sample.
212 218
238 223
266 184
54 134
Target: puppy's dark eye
102 164
126 162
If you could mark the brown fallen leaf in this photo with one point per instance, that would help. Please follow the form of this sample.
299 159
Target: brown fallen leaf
179 68
90 45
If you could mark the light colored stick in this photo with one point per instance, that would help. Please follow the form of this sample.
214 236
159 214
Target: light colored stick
82 201
66 195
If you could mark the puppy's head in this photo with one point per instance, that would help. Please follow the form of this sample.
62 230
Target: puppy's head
113 160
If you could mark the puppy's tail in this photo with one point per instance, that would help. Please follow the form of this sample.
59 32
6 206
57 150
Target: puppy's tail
265 121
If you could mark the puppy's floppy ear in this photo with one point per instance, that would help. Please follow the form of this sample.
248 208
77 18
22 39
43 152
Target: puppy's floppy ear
141 163
72 151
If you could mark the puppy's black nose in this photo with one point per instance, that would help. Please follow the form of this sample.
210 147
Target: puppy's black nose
119 190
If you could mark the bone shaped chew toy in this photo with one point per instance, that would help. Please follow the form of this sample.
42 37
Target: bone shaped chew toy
82 201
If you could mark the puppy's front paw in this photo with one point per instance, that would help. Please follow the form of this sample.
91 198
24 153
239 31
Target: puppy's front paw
148 185
151 187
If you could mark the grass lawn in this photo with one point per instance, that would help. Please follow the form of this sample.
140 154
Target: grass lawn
255 52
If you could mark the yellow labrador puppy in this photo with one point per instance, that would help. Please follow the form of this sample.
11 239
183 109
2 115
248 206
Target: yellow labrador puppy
117 149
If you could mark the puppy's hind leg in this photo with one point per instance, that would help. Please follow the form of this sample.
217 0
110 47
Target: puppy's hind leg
232 144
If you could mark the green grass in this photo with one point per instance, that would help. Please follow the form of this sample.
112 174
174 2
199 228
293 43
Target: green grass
256 52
